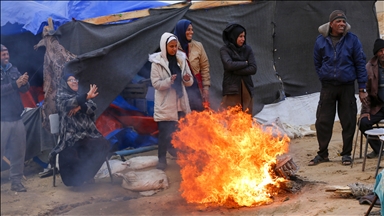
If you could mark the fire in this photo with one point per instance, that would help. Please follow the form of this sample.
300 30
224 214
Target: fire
227 158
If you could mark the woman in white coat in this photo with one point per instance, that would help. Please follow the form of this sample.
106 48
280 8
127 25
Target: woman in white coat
170 75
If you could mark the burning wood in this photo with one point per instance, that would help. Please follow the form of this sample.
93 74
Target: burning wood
286 167
227 158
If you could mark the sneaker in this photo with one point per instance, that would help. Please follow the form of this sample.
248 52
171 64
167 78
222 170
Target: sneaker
18 187
372 155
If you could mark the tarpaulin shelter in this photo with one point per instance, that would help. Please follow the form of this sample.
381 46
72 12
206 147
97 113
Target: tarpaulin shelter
281 33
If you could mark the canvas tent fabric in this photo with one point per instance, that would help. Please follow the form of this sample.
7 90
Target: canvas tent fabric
111 55
296 32
31 16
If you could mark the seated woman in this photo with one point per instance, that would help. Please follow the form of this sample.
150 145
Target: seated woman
81 147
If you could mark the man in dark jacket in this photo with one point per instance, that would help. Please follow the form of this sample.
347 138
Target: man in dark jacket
13 133
373 111
339 61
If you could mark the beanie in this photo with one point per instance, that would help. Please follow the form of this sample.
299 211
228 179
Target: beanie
379 44
3 48
337 14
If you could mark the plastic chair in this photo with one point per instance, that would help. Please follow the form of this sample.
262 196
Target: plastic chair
380 124
375 133
54 126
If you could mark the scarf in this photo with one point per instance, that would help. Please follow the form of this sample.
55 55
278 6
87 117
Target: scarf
175 69
233 35
180 30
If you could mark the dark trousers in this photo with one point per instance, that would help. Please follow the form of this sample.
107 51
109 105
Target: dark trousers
332 98
80 162
366 124
166 129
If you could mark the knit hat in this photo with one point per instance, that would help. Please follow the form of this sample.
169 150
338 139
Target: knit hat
379 44
337 14
3 48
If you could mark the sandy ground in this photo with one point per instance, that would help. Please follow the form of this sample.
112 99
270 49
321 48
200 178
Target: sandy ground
106 198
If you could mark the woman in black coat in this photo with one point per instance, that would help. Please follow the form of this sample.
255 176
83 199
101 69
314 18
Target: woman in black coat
239 64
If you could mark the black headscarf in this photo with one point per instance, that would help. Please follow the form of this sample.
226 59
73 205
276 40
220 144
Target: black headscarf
234 34
230 35
175 69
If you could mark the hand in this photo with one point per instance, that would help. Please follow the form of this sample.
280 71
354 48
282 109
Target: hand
92 92
206 94
74 111
363 97
22 80
173 77
365 115
186 77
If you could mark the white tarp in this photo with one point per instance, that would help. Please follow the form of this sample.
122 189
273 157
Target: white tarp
294 114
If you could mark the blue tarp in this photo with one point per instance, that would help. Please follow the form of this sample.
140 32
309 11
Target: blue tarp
23 16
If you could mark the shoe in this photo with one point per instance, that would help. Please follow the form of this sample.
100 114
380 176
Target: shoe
18 187
161 166
48 172
372 155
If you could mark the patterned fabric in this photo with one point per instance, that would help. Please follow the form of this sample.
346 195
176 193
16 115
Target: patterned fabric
54 61
78 126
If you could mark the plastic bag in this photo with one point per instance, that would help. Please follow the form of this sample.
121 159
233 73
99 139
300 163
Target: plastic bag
141 162
116 167
153 179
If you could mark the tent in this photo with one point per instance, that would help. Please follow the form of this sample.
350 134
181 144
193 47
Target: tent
281 33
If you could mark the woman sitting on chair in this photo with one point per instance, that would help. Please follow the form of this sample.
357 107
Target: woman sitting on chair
81 147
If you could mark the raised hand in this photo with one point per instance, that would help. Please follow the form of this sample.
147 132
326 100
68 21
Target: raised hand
22 80
92 91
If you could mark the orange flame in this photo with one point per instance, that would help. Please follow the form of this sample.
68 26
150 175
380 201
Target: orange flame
227 158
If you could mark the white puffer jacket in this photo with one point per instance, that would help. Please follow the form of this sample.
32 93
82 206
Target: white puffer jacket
166 100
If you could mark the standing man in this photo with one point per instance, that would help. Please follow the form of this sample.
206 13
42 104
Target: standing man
373 111
339 61
13 133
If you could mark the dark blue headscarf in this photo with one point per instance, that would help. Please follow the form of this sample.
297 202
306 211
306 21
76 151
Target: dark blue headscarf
180 29
67 75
